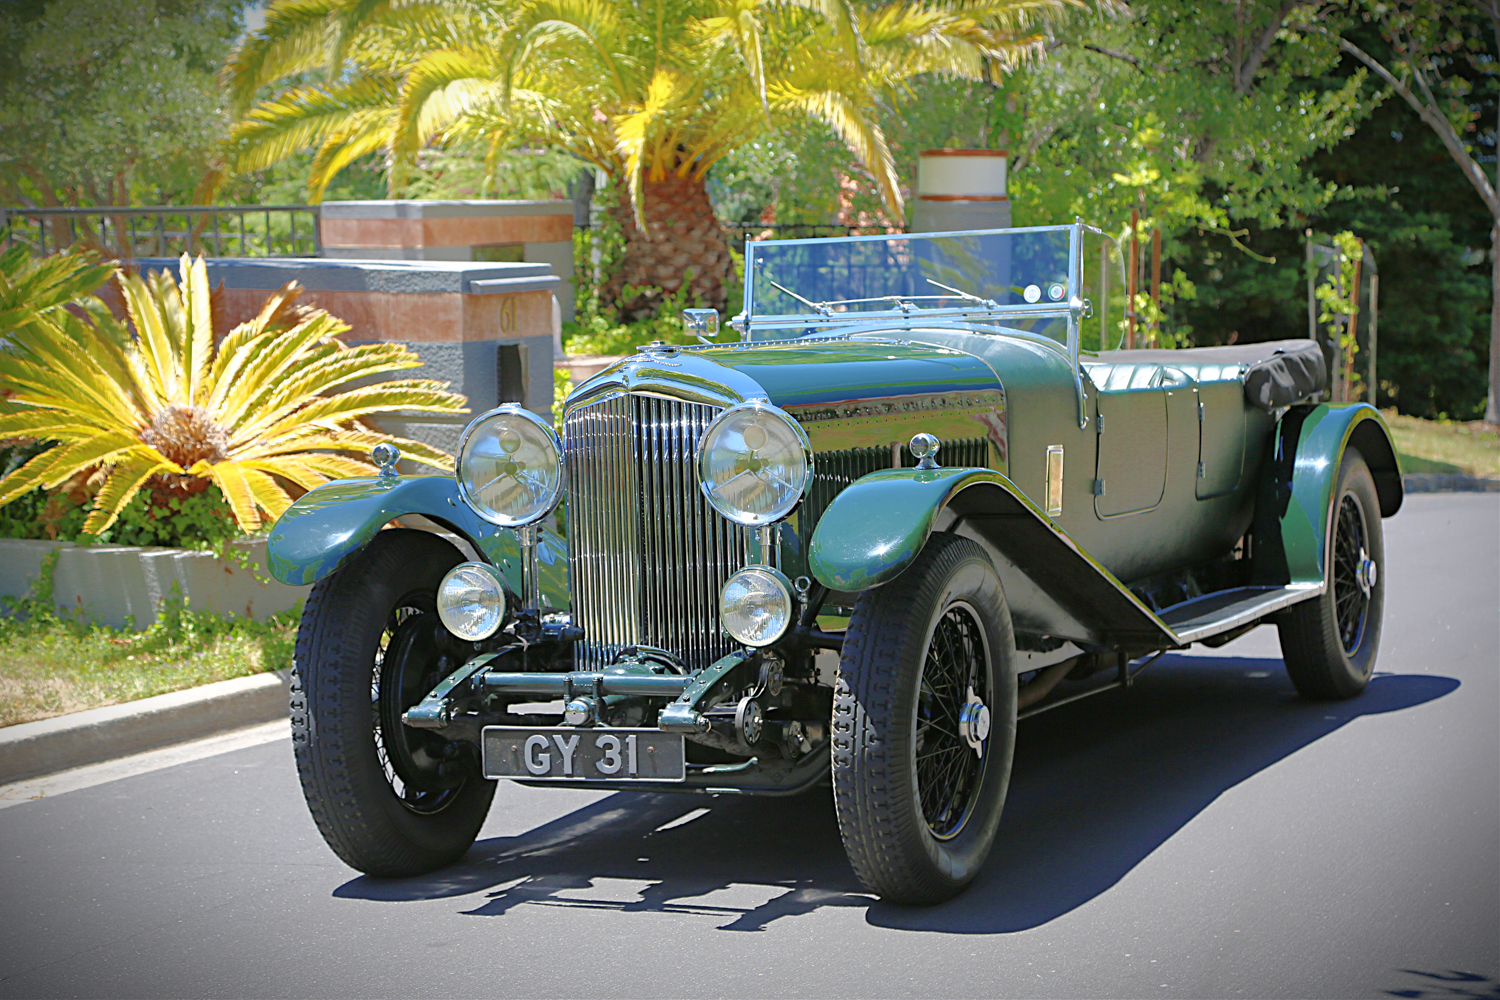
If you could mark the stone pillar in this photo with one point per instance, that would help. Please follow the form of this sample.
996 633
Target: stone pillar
487 329
960 189
539 232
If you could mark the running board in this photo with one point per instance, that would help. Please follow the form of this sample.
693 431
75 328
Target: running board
1210 615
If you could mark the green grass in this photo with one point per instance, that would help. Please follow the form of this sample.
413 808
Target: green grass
1445 446
49 665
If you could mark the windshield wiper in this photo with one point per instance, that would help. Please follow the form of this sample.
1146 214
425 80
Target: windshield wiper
821 308
964 295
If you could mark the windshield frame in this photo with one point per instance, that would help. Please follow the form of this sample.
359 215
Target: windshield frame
979 313
978 316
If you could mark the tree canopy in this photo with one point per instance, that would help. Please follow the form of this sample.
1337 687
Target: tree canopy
111 102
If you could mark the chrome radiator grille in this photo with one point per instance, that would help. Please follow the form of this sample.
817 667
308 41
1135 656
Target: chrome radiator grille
647 553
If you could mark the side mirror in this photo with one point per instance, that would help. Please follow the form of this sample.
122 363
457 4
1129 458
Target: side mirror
703 323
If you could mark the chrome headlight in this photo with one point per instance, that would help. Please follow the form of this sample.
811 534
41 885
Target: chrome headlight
756 605
471 601
754 463
510 467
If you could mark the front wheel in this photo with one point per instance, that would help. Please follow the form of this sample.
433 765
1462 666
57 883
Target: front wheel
390 800
1329 642
924 725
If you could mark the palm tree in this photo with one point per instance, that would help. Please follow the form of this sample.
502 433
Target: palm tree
651 92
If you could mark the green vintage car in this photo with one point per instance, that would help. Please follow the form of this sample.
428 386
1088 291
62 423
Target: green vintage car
914 504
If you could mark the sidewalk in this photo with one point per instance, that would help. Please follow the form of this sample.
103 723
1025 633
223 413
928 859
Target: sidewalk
68 741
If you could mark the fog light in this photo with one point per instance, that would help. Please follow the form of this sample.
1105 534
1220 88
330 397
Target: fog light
755 605
471 601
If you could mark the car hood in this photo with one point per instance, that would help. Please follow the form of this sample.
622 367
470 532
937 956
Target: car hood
795 374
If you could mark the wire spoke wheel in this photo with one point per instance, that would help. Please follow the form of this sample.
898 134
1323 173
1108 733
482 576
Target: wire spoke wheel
1329 642
924 724
949 772
1350 592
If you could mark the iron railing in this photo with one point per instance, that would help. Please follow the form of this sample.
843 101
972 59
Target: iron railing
738 232
168 230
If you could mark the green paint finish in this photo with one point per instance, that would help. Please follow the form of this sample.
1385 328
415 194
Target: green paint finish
1326 432
794 373
807 373
875 527
320 532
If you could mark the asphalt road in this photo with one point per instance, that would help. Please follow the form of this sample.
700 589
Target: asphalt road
1205 834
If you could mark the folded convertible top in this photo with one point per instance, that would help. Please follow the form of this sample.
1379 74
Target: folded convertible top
1277 373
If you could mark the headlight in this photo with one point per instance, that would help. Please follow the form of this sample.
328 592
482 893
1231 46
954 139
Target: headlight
754 463
755 605
471 601
509 469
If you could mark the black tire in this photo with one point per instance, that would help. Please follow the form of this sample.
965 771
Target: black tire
916 833
351 755
1329 643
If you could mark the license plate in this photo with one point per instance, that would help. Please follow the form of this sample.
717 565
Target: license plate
561 753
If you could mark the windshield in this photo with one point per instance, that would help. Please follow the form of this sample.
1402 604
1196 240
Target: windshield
1015 278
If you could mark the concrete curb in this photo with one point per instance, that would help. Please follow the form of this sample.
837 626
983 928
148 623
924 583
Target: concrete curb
1448 482
67 741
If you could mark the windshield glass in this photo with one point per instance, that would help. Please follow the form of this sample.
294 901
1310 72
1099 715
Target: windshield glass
1016 278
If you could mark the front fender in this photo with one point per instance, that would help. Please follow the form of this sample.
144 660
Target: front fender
873 530
323 530
876 526
1322 435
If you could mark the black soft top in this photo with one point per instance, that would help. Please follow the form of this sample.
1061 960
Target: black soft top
1276 373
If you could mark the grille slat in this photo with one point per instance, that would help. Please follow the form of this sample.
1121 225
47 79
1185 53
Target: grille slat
648 555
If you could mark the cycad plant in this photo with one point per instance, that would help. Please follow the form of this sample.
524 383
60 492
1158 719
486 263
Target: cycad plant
651 93
157 403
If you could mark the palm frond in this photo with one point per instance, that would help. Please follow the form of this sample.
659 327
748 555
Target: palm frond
440 88
856 127
121 485
32 288
231 480
294 39
303 117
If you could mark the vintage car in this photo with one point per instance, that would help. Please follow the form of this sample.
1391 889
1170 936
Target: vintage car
914 504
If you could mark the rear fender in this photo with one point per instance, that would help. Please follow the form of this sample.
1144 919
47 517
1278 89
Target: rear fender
323 530
873 530
1296 490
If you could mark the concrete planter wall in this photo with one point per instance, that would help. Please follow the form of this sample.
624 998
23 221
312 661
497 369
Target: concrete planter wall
117 584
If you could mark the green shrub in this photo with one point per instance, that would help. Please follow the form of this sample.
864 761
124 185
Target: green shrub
201 521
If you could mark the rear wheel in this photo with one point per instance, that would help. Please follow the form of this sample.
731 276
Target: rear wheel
390 800
924 725
1329 643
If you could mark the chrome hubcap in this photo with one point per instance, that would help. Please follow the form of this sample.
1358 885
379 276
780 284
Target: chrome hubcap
974 723
1367 573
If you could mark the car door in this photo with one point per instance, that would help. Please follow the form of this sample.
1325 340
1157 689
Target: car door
1131 469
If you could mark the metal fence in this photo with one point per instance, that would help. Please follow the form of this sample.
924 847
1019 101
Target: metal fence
168 230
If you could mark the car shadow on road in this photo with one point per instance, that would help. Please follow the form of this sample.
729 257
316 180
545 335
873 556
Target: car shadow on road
1097 787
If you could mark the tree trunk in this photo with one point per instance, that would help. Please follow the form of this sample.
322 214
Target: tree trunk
682 234
1492 407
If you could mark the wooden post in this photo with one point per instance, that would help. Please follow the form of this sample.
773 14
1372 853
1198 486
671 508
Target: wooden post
1132 278
1353 327
1312 302
1155 280
1104 295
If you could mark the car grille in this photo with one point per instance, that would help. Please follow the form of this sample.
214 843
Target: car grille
648 555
